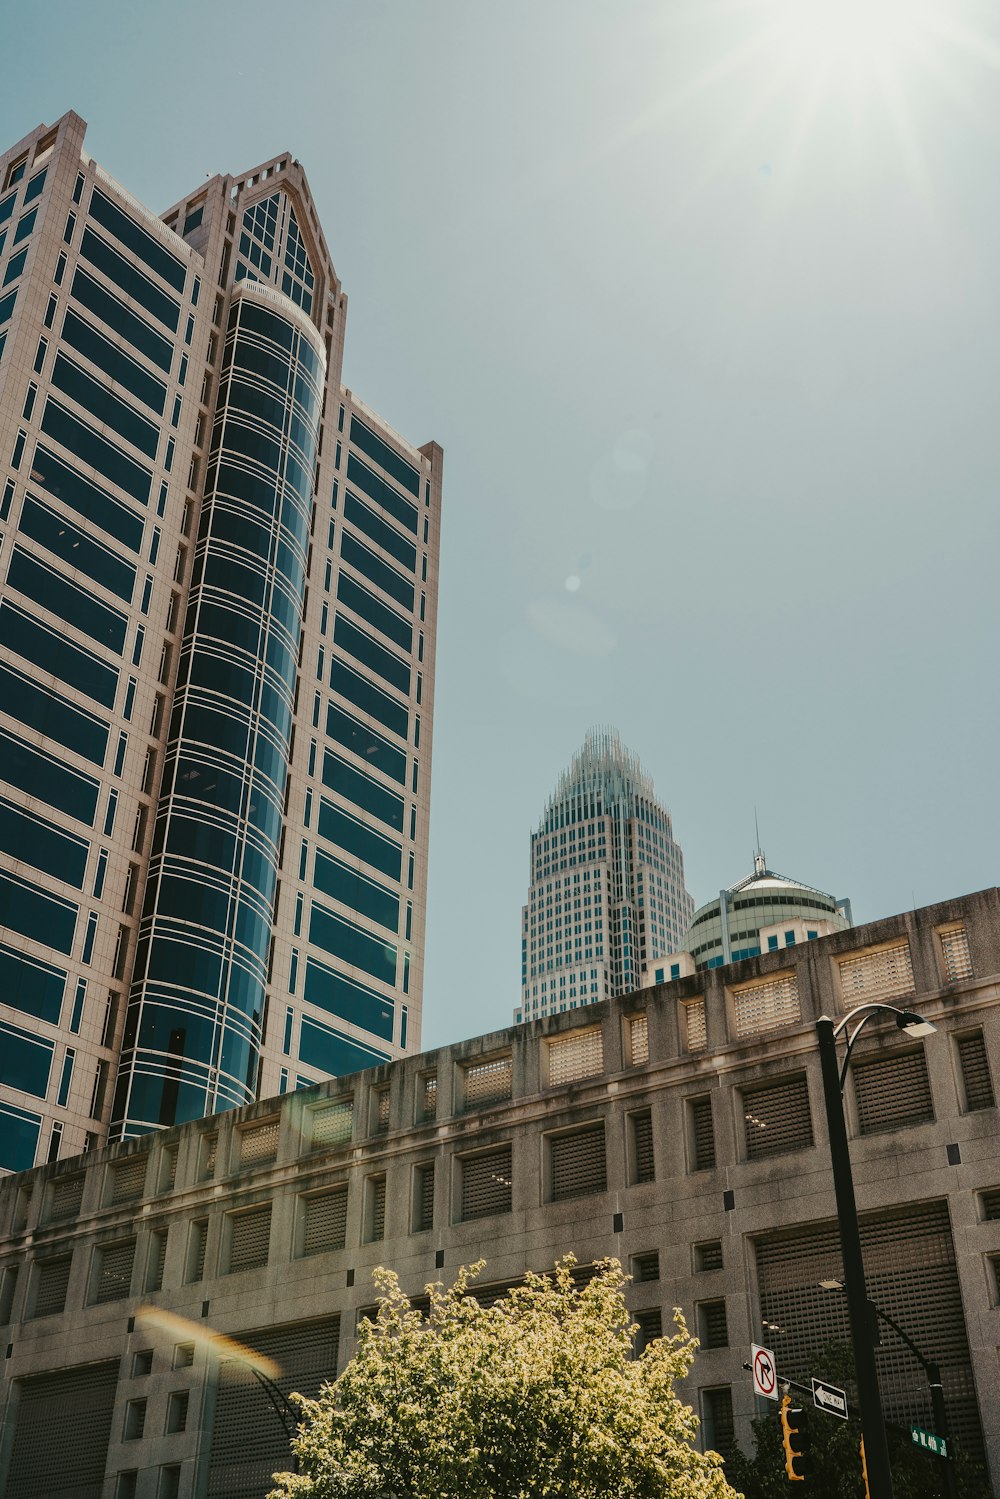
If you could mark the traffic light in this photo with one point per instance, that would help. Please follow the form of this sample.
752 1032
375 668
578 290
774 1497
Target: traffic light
792 1437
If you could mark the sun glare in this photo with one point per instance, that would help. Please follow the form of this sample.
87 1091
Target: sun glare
845 39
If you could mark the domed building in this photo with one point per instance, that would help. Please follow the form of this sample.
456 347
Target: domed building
762 913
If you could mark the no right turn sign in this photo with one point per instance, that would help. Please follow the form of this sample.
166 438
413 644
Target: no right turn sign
765 1373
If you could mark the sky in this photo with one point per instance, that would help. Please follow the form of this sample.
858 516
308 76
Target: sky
702 301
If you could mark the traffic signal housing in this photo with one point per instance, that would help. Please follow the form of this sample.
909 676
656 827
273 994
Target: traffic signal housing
793 1438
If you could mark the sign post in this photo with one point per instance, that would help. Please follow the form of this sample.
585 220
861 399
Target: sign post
765 1372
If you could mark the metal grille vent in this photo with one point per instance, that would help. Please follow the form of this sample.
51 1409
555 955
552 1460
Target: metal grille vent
128 1179
702 1135
199 1239
646 1266
777 1119
574 1057
423 1198
66 1196
210 1148
649 1327
376 1189
248 1443
169 1168
325 1222
955 953
382 1111
975 1067
250 1235
579 1167
333 1125
78 1405
429 1096
884 974
718 1430
911 1274
51 1283
114 1271
892 1092
486 1184
638 1039
767 1006
259 1146
642 1135
8 1286
713 1329
487 1082
157 1260
991 1204
695 1027
708 1256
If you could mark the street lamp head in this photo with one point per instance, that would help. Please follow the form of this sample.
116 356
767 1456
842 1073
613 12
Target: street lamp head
913 1024
832 1285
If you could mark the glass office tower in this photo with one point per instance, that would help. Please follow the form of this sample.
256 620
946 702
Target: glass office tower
607 884
218 601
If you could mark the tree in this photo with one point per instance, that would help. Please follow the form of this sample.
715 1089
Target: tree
832 1466
537 1395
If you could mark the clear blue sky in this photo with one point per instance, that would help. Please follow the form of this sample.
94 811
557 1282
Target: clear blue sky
703 306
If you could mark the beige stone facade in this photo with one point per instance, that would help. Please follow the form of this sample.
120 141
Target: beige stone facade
680 1128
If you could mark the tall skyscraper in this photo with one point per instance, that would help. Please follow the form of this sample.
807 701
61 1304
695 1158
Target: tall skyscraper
217 624
607 884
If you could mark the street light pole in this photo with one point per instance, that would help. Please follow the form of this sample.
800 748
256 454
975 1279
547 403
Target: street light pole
869 1399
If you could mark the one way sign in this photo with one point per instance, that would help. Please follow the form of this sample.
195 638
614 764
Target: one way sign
826 1397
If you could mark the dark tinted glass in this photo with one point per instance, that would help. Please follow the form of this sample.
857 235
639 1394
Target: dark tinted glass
32 840
130 280
72 545
360 789
29 985
365 743
359 949
96 452
329 1051
364 438
27 909
126 323
354 837
83 496
356 891
370 699
52 716
384 536
142 244
354 1003
59 596
105 406
46 779
364 561
114 362
382 493
379 615
56 656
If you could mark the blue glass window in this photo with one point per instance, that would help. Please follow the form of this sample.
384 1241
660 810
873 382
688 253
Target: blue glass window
35 186
404 473
122 320
329 1051
25 225
114 362
96 451
72 545
19 1132
382 493
353 1002
350 684
47 780
29 985
59 596
130 280
15 266
127 232
350 834
35 914
25 1061
7 207
360 789
375 528
364 561
7 306
45 711
361 646
32 840
366 743
358 948
108 408
87 499
379 615
356 891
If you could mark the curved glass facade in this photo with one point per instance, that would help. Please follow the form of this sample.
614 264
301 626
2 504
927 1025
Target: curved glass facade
193 1028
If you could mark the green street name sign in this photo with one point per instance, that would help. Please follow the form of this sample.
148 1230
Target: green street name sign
929 1440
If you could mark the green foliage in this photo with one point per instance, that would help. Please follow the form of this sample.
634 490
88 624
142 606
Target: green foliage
833 1464
535 1397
